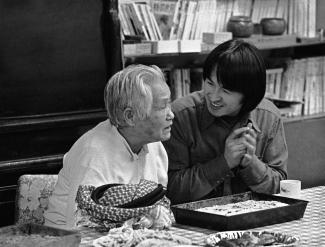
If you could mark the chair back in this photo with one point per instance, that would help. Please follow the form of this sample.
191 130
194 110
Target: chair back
32 197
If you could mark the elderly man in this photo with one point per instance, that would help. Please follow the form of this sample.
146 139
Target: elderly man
123 149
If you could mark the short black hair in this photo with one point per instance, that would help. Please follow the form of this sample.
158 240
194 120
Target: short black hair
240 68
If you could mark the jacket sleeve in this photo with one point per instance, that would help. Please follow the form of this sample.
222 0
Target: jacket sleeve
187 181
264 174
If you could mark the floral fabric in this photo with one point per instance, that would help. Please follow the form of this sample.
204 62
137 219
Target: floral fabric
32 197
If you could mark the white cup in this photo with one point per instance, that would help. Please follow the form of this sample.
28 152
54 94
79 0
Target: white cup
290 188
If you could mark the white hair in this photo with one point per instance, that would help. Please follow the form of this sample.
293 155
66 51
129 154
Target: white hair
130 88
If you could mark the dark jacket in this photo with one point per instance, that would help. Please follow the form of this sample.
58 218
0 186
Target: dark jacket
197 167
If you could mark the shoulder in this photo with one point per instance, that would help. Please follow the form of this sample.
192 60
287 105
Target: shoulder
267 116
266 107
188 103
99 137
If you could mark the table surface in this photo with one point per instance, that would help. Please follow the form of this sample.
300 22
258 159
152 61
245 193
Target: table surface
310 229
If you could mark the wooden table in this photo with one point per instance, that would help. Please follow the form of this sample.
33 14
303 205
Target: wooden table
310 229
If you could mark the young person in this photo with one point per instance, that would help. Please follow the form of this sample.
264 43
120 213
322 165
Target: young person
123 149
226 138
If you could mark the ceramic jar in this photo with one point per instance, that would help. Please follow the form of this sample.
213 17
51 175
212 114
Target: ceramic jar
240 26
273 26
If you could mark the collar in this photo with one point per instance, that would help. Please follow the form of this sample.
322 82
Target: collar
207 119
250 118
133 156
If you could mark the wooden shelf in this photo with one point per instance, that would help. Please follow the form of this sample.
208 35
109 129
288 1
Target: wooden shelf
54 161
304 118
197 58
23 123
284 101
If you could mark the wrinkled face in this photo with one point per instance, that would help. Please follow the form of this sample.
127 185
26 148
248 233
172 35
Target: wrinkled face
220 101
157 126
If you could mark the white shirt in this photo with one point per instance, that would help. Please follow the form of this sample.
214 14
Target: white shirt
102 156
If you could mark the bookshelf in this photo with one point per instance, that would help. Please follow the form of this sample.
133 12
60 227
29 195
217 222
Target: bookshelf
301 45
305 134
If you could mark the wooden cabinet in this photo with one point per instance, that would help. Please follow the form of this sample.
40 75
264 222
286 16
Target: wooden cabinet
56 57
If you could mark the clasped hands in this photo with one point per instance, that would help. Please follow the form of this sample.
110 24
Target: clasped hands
240 147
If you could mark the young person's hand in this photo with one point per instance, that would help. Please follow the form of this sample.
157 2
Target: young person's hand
250 143
236 146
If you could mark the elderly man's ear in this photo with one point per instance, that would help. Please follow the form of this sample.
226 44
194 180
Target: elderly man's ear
129 117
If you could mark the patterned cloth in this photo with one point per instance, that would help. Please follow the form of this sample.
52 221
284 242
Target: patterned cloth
32 197
111 205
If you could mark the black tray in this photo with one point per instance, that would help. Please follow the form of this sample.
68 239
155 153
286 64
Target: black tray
185 213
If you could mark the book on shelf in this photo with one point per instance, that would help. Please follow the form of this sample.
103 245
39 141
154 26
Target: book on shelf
176 18
186 81
216 37
273 82
126 29
164 12
183 14
189 46
220 16
188 24
154 23
314 88
302 18
165 46
147 20
137 49
282 9
183 81
188 19
137 19
175 46
311 19
303 81
242 7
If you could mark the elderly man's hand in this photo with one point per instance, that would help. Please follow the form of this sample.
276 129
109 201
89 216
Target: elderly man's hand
163 217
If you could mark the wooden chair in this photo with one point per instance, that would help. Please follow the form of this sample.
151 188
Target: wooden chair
32 197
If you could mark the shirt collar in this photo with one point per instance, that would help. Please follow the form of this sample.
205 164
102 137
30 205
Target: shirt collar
252 119
144 150
249 118
207 119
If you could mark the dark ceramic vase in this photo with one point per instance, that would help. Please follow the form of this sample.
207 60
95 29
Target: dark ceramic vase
240 26
273 26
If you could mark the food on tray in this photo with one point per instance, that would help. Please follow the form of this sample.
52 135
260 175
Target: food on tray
241 207
250 239
128 237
